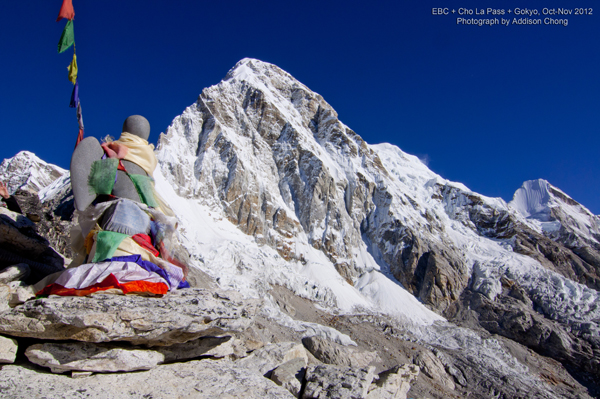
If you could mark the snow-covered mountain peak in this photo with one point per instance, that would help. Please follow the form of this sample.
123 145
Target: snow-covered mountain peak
549 210
263 75
251 68
271 156
25 170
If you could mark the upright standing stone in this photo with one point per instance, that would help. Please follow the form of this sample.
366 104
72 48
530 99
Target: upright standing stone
8 350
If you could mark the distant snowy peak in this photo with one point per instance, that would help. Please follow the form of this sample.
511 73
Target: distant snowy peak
550 209
533 200
26 171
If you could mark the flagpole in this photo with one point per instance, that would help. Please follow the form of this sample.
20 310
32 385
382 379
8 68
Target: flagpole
67 39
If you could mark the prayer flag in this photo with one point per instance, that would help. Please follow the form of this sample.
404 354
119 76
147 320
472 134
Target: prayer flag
66 11
79 114
73 70
79 137
75 97
67 38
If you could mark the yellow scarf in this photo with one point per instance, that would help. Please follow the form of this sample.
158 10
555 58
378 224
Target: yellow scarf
140 152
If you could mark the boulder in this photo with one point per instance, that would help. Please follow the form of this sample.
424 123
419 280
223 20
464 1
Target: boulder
394 383
290 375
328 381
267 358
332 353
178 317
20 294
13 294
21 243
105 358
19 233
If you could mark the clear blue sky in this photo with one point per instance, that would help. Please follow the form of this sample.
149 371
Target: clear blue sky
488 106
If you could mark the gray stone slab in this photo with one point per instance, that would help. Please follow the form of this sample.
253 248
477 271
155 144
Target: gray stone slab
177 317
194 379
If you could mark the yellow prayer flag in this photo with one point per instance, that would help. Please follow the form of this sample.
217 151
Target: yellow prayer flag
73 70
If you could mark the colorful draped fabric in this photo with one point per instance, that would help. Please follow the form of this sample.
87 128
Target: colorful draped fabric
140 152
144 241
128 277
144 186
129 247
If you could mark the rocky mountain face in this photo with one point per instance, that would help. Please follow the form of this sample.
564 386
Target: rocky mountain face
275 159
44 194
280 200
571 233
27 171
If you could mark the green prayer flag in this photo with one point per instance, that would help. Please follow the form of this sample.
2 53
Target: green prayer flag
107 243
102 176
67 38
145 188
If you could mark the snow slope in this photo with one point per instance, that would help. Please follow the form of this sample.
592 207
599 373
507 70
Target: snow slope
236 261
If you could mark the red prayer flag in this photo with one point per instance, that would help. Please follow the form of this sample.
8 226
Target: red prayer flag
79 137
66 11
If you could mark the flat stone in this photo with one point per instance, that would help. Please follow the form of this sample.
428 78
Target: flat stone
177 317
80 374
216 347
329 381
104 358
221 379
8 350
85 356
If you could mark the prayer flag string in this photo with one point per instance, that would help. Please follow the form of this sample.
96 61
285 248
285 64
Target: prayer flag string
67 39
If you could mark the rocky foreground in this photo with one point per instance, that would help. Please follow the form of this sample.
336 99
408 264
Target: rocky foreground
197 342
194 342
208 342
